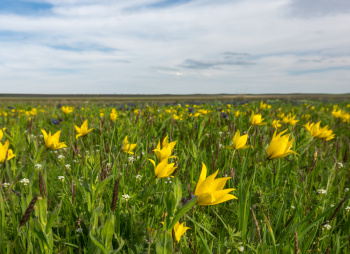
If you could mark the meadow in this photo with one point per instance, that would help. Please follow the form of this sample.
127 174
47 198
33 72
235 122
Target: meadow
184 177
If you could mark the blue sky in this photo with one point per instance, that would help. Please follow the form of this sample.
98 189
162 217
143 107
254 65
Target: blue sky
174 46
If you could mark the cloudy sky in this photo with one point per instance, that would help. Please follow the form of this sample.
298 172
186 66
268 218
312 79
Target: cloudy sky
174 46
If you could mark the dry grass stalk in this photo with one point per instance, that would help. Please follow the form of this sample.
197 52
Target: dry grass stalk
28 211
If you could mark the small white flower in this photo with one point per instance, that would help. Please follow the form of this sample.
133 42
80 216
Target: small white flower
241 248
332 205
322 191
25 181
340 165
61 178
126 197
41 136
220 132
293 207
207 134
60 157
327 226
74 160
67 166
139 177
143 153
346 189
97 150
109 165
347 208
38 166
6 185
79 230
131 159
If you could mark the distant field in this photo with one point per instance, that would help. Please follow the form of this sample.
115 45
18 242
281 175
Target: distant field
105 98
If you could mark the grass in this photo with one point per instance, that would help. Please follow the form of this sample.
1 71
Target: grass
76 199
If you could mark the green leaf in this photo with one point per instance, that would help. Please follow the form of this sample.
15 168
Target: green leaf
53 217
164 244
102 185
170 203
97 243
182 211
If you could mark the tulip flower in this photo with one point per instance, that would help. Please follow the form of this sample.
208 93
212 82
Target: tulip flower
210 191
239 142
289 119
5 151
179 230
127 148
165 152
2 133
256 119
318 132
279 146
67 109
52 141
163 169
276 124
83 130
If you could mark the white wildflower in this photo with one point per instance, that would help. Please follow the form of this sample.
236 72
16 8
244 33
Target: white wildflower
340 165
220 132
6 185
131 159
347 208
327 226
346 189
60 157
332 205
139 177
67 166
241 248
79 230
38 166
322 191
126 197
109 165
25 181
61 178
293 207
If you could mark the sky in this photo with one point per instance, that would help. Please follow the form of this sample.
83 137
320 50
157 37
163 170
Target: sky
174 46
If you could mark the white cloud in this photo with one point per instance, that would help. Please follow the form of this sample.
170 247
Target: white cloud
127 47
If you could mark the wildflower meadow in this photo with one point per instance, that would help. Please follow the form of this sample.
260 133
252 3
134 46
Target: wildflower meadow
214 177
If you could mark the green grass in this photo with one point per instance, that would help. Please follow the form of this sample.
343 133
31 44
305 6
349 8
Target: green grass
279 208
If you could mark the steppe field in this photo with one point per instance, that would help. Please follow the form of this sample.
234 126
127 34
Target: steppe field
175 174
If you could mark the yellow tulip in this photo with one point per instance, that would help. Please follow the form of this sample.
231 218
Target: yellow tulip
279 146
179 230
318 132
83 130
52 141
165 152
239 142
210 190
127 148
256 119
276 124
5 151
67 109
289 119
2 133
163 169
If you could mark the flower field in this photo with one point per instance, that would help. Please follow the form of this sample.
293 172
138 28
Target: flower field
252 177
